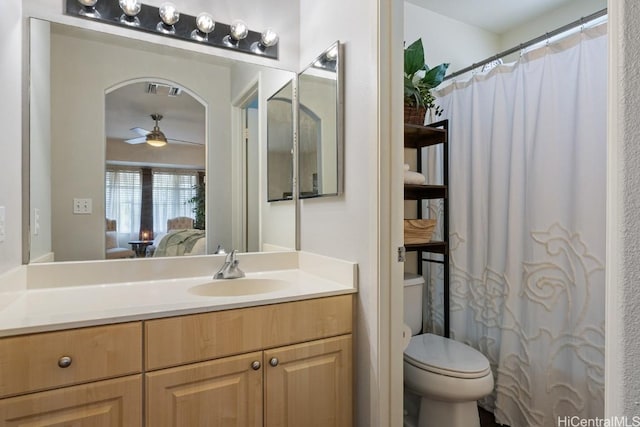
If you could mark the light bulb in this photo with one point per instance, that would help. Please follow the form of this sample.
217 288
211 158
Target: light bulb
130 7
169 15
332 54
238 30
88 9
269 38
205 24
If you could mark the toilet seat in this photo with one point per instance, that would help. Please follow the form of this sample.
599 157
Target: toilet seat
446 356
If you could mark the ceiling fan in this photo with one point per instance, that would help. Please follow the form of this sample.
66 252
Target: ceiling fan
155 137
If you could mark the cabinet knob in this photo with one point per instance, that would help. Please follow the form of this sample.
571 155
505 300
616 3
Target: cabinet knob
274 361
255 365
64 362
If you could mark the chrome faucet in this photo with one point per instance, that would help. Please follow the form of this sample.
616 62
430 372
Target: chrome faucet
229 269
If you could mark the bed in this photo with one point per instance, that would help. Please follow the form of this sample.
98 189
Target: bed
181 239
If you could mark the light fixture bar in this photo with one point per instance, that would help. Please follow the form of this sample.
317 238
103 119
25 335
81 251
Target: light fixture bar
109 12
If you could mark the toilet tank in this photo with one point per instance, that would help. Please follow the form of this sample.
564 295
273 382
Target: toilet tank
413 286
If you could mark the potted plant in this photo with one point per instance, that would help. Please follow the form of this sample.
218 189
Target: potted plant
419 79
199 206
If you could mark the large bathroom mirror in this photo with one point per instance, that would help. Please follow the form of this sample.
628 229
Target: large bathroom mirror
280 144
320 131
100 189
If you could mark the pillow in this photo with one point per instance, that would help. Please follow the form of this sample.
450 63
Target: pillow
112 239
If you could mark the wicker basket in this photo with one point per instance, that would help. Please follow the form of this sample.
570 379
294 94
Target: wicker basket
418 231
414 115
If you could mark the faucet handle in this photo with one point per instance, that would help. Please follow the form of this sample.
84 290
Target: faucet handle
231 257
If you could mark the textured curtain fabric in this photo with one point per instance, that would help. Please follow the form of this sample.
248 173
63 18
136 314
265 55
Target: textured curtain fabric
123 193
171 194
527 231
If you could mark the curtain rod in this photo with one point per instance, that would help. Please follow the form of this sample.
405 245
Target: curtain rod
531 42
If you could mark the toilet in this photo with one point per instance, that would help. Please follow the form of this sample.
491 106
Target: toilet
443 378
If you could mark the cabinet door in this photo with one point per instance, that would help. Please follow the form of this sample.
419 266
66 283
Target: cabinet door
111 403
310 384
219 393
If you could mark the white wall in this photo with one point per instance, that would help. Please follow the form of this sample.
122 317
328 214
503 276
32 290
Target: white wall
10 123
447 40
346 226
568 12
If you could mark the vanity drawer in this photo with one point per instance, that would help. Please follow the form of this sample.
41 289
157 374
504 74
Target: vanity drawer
37 362
193 338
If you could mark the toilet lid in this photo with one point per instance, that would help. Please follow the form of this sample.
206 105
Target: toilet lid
446 357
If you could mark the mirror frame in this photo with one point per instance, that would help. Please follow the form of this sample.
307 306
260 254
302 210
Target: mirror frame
339 123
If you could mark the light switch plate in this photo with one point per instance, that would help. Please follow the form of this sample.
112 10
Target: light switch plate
82 206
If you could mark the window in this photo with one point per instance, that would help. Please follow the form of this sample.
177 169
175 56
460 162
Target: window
123 190
171 194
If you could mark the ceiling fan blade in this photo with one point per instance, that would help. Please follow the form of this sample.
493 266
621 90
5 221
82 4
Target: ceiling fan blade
138 140
140 131
182 141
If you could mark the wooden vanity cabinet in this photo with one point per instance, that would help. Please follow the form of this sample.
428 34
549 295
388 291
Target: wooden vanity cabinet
309 384
221 392
293 366
64 378
108 403
287 364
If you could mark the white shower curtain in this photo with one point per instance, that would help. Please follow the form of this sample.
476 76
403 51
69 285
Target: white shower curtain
527 228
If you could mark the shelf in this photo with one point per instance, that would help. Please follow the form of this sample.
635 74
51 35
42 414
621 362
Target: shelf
416 136
433 247
420 192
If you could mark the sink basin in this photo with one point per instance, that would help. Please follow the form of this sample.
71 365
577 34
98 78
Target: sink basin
238 287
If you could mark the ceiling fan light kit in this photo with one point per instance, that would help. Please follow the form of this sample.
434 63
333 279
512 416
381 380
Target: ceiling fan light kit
156 138
166 20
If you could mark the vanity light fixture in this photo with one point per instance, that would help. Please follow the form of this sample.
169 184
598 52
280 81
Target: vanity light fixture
156 138
130 9
328 60
169 16
268 38
88 8
204 25
332 54
237 31
168 22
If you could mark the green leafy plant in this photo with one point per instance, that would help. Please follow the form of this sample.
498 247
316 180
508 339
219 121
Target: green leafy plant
199 206
419 79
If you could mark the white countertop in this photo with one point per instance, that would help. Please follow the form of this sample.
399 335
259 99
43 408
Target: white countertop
45 308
